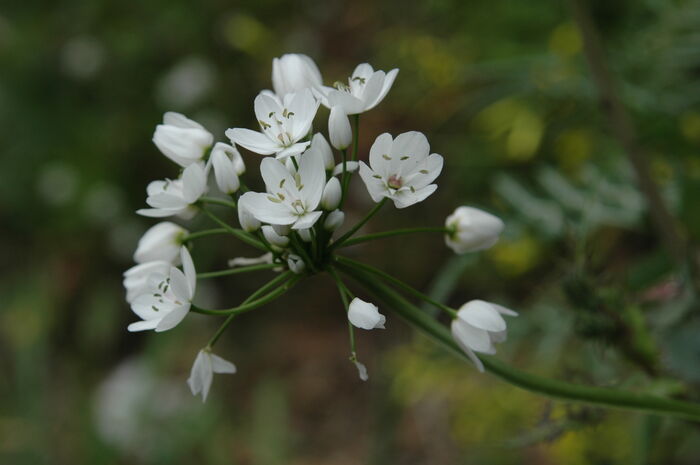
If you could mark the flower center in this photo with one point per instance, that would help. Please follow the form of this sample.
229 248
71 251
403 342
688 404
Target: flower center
394 182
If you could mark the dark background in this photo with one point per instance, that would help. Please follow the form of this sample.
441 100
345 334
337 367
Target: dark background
502 91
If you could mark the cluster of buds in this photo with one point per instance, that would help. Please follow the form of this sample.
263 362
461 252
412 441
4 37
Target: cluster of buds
294 222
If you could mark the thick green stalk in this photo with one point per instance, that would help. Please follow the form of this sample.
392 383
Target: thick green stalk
362 222
239 233
281 278
243 269
392 233
549 387
250 305
222 202
387 277
198 234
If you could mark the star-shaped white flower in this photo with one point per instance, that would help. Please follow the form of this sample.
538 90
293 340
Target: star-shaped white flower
282 125
168 197
401 169
365 90
478 326
291 198
168 298
203 369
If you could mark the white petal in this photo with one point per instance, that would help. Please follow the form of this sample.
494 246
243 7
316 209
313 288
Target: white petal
482 315
313 178
194 182
155 212
365 315
173 318
381 148
350 104
386 86
307 220
476 339
406 198
190 273
219 365
339 128
375 186
142 325
267 211
253 141
350 167
276 176
292 150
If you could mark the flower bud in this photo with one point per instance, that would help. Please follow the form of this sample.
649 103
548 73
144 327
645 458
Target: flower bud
471 229
182 140
281 229
339 128
305 234
160 242
365 315
334 220
478 326
294 72
273 238
248 222
225 168
331 194
296 264
318 142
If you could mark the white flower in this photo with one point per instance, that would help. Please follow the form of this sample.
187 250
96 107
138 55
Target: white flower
273 238
176 197
305 234
401 169
331 194
160 242
282 125
296 264
478 326
339 128
136 278
290 199
350 167
245 217
334 220
228 166
319 143
365 315
203 369
471 229
361 369
168 298
182 140
294 72
365 89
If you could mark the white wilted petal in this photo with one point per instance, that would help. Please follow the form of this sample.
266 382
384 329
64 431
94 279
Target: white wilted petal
471 229
296 264
365 315
331 194
339 128
160 242
203 369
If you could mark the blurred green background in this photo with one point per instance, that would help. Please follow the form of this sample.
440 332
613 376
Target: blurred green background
502 90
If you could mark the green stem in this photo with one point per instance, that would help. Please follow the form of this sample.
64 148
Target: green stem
198 234
392 233
215 201
243 269
362 222
344 294
387 277
250 305
549 387
298 247
281 278
239 233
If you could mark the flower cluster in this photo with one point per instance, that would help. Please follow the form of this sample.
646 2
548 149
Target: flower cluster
294 220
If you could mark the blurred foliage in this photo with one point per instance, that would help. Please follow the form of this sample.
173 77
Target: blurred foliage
502 91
